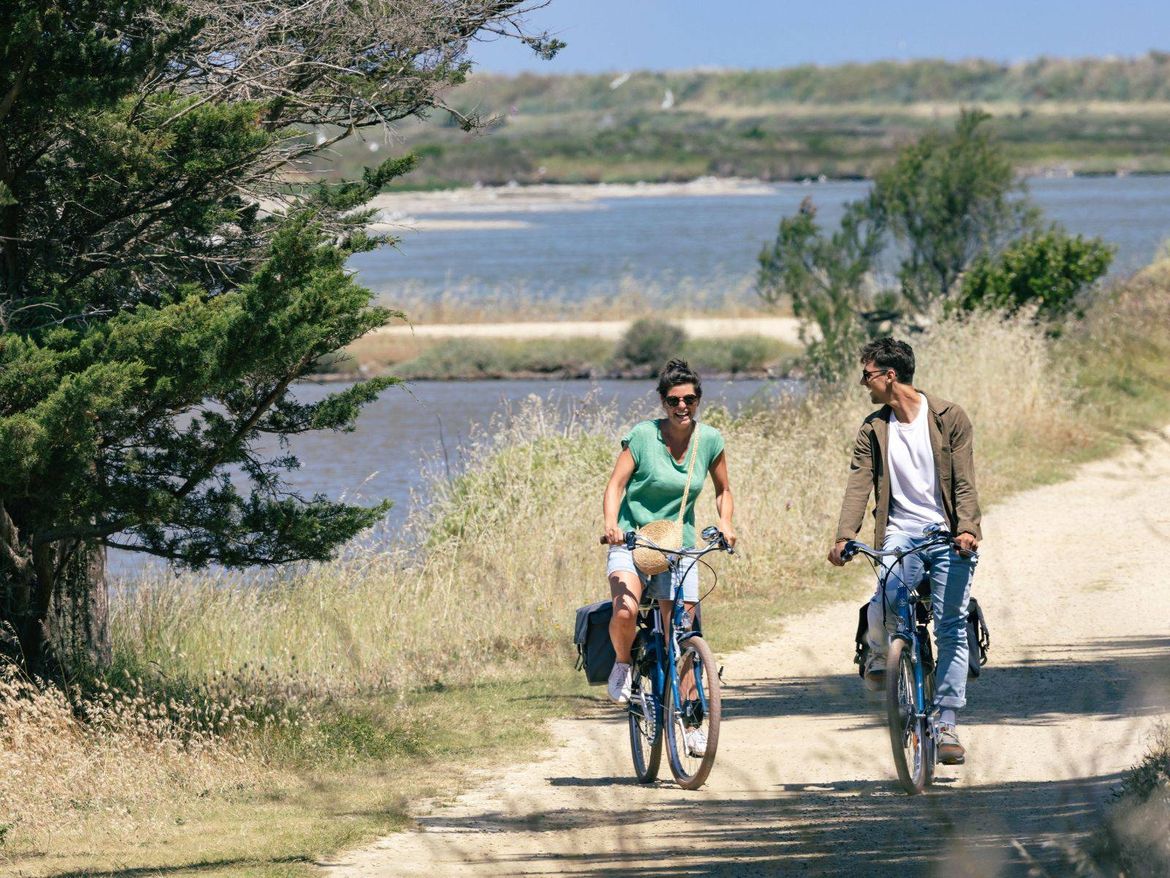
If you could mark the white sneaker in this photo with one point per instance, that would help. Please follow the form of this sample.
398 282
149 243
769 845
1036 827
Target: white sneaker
696 740
619 683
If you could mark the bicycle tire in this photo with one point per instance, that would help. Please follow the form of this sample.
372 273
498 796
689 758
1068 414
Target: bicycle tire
907 730
645 721
931 752
690 772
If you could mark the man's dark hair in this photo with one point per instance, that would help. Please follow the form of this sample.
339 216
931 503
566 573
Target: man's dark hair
677 372
887 353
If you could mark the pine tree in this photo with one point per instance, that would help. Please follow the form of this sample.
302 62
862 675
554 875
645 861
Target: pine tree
167 273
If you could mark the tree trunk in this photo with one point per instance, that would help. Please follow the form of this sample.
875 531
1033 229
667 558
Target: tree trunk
78 625
55 619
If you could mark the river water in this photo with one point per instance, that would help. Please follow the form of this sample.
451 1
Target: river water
586 250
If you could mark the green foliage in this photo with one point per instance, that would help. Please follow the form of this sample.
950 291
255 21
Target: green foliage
649 343
153 320
466 358
947 198
731 356
1049 269
827 279
576 128
948 205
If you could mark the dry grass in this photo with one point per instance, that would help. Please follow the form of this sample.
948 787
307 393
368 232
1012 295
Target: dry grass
512 539
628 299
1135 840
115 764
395 657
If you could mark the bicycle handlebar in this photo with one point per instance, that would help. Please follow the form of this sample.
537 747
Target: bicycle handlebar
937 536
714 541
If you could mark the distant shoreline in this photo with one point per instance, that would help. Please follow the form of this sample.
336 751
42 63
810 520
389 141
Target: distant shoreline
404 209
721 347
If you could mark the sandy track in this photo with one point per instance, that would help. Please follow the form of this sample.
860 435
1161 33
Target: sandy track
804 783
785 329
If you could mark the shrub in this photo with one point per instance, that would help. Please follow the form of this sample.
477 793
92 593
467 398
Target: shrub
1050 269
1136 839
649 343
741 353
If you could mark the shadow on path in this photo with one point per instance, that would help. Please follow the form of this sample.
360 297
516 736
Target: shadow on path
774 825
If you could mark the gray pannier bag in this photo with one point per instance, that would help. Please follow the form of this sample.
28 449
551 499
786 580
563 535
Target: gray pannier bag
594 648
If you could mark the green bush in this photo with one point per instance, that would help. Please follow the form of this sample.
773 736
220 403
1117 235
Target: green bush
742 353
649 343
471 358
1050 269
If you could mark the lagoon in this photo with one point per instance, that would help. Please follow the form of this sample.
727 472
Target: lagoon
708 242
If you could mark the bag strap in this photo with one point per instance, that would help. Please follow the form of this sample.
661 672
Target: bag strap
690 471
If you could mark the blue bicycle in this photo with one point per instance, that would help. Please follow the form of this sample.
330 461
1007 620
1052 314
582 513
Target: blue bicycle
909 664
675 682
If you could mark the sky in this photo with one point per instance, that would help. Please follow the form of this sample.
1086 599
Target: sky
621 35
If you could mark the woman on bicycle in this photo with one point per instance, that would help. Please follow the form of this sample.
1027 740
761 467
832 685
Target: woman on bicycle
647 484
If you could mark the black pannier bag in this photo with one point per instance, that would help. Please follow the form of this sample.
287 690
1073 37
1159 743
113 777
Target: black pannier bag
978 638
594 648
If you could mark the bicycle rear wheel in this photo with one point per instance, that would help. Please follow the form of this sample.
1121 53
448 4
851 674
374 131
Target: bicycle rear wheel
645 719
908 733
692 732
928 672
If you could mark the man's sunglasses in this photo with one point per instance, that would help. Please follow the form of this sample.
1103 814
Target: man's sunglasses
673 401
866 374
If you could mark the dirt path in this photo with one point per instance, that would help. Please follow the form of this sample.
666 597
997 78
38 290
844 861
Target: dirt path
1080 672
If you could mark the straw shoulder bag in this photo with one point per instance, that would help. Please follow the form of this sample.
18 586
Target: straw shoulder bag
666 533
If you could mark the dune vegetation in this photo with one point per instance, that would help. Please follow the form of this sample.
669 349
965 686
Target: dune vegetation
1052 115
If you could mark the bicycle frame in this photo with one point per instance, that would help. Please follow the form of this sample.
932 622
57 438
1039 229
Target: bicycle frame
679 686
905 606
666 660
905 609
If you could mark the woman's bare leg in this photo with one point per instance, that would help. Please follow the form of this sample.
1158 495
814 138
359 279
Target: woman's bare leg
626 589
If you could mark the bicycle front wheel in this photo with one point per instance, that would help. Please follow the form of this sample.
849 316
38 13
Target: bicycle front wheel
645 718
693 709
907 729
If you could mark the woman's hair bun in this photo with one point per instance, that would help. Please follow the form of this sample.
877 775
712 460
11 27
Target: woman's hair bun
677 372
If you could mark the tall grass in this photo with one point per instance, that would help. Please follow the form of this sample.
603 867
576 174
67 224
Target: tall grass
328 663
506 551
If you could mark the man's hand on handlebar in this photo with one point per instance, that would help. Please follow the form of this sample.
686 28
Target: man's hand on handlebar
836 558
966 544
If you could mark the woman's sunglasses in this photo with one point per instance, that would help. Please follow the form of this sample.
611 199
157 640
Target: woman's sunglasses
673 401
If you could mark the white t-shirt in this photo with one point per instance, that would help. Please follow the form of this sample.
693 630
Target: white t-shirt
915 501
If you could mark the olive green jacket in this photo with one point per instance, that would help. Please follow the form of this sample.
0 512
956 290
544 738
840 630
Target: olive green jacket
951 441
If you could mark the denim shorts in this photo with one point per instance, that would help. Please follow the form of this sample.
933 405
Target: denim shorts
661 586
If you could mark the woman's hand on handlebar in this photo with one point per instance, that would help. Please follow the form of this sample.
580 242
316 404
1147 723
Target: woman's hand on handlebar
614 535
728 532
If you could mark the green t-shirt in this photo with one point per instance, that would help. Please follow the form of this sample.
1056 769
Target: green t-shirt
655 489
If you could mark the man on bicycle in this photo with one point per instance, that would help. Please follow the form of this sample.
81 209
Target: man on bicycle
915 455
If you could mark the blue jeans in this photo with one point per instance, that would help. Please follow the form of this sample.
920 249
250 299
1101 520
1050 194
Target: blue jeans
950 591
